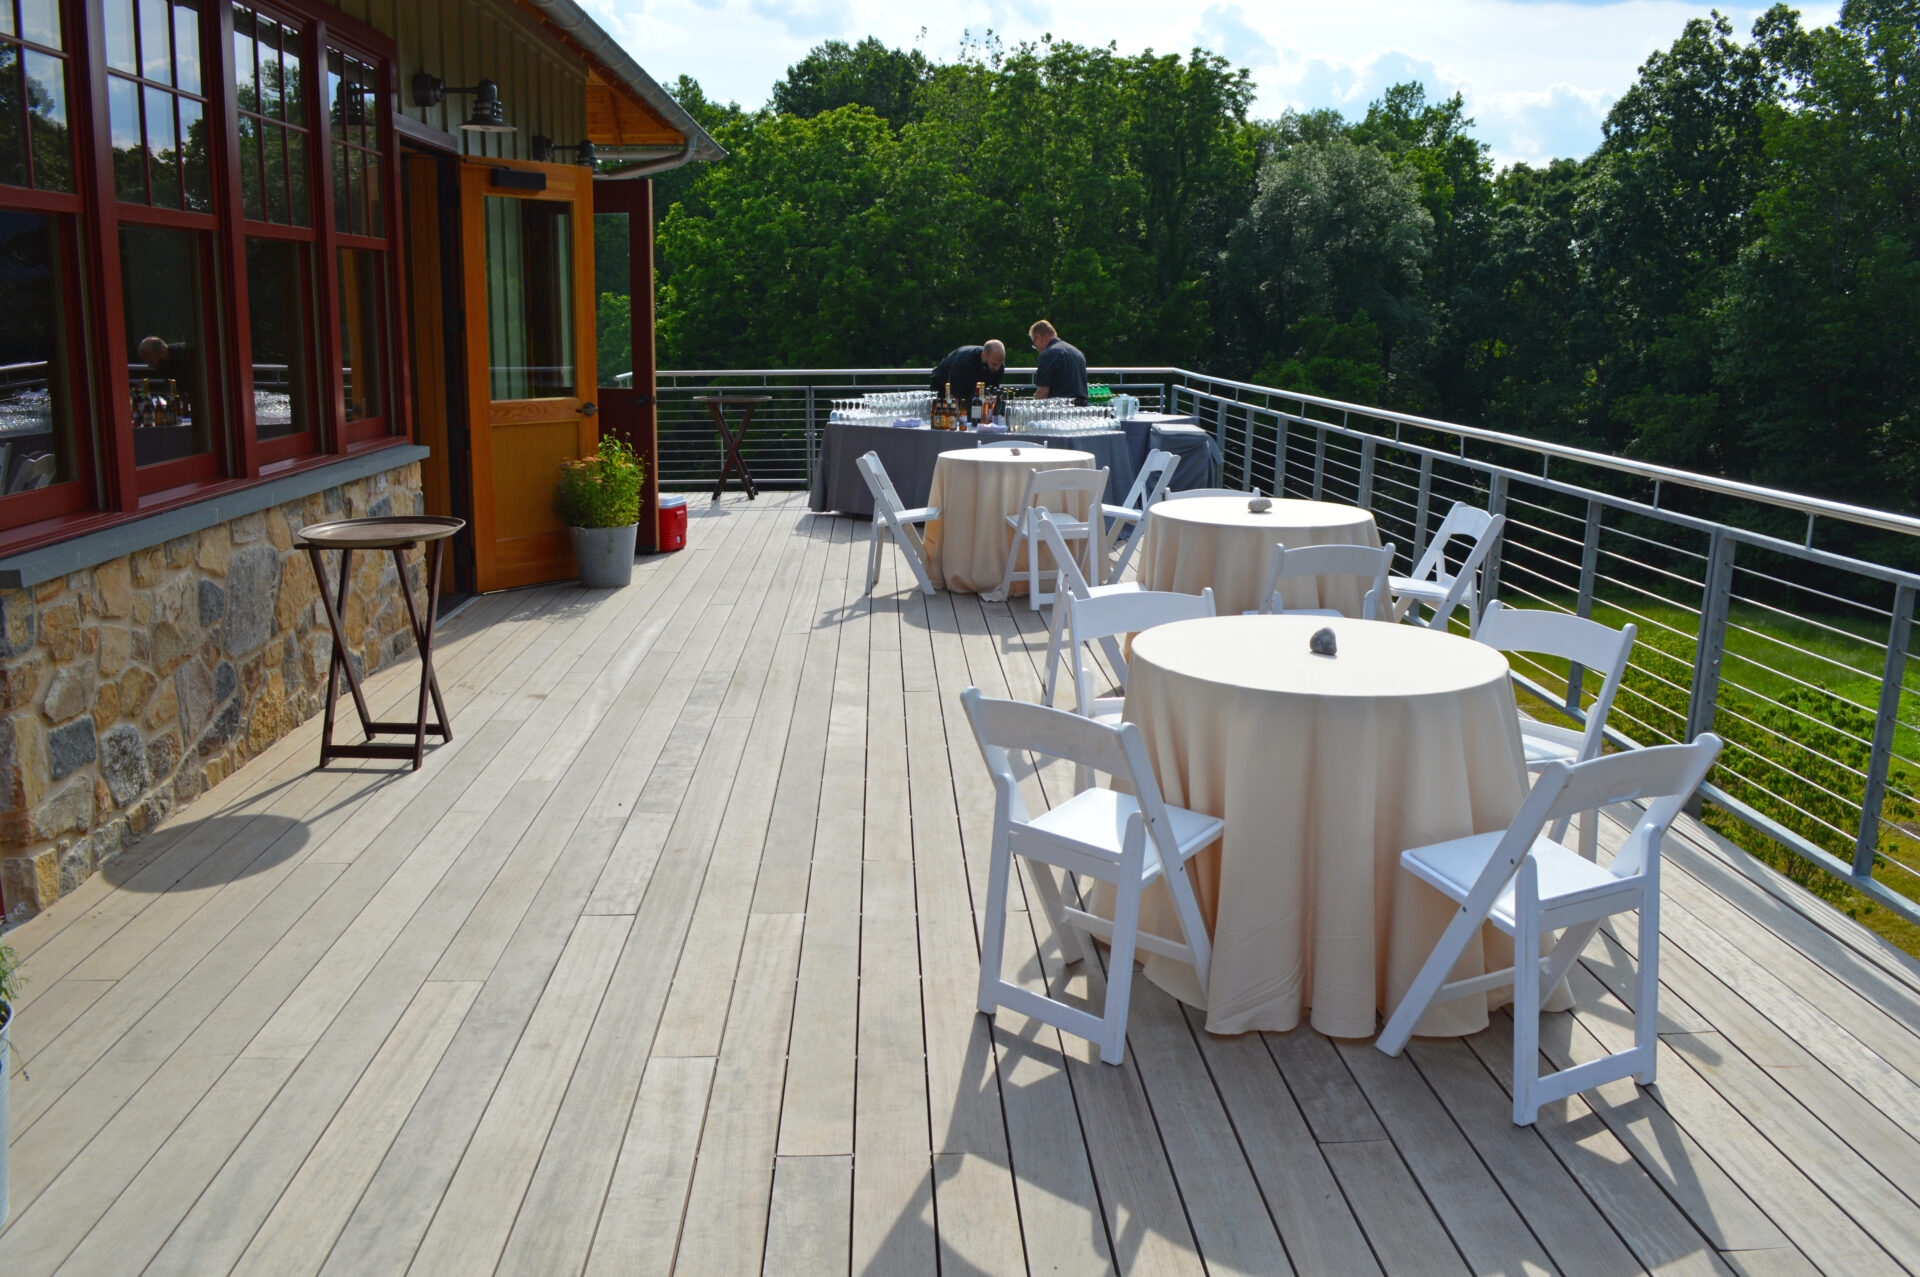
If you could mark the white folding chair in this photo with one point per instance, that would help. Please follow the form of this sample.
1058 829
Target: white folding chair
35 472
890 516
1049 488
1529 885
1584 645
1328 560
1072 585
1190 493
1149 486
1128 839
1113 615
1430 583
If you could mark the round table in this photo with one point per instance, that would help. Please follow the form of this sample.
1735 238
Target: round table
393 533
1325 769
975 492
1217 543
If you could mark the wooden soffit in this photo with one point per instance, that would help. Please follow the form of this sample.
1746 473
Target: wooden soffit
616 115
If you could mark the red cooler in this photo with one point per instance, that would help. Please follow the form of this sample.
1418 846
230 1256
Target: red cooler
673 522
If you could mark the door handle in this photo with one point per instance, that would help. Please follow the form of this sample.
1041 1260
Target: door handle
587 409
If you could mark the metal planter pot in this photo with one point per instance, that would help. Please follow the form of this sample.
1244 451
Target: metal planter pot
604 555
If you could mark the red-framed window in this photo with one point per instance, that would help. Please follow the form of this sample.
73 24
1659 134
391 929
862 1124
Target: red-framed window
198 207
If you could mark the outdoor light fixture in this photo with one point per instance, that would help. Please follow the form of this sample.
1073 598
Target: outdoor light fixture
486 116
544 148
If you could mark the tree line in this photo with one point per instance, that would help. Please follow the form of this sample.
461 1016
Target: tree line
1729 283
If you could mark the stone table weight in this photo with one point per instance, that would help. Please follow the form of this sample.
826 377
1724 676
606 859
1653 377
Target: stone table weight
395 533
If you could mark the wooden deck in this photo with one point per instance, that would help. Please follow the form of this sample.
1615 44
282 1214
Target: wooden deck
666 963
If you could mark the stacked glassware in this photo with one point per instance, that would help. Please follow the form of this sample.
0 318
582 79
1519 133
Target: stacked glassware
883 408
1050 417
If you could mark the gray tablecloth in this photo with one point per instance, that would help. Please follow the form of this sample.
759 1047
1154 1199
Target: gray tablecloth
909 455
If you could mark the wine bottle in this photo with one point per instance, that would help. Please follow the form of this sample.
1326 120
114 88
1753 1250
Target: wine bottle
976 411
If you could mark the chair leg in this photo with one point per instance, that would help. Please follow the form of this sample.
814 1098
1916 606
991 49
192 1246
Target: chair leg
1013 559
1420 994
1646 996
1051 902
1526 994
1055 634
1126 927
993 942
914 546
873 558
1033 574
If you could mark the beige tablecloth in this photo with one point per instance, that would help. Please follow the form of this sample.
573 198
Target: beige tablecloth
1325 769
1217 543
976 491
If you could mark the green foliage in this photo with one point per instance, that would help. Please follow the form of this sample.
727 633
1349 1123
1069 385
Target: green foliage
885 81
10 980
601 491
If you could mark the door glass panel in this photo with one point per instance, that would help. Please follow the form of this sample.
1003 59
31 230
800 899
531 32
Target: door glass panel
276 315
156 50
362 307
129 157
47 118
121 55
529 298
37 369
166 357
612 300
40 22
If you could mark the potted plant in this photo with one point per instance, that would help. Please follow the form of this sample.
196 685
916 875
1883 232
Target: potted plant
599 498
10 984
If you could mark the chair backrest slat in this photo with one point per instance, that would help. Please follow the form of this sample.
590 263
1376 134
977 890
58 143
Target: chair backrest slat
1572 638
880 484
1190 493
1363 561
1070 573
1462 520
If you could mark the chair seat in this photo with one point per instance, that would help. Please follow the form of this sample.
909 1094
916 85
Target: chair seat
1122 514
1098 817
920 514
1068 528
1408 587
1453 867
1549 743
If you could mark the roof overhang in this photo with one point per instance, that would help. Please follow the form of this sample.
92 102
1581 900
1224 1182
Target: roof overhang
626 107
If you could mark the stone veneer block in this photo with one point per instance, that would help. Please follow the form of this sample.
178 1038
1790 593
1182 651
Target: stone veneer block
134 685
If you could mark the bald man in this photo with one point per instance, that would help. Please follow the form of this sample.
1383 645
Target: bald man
967 367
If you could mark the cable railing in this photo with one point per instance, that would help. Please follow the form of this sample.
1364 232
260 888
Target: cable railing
1779 620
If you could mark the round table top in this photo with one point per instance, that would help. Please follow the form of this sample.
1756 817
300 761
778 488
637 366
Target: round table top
1269 654
1232 512
1062 458
387 533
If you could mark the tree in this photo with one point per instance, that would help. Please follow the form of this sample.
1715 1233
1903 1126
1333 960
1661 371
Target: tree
832 75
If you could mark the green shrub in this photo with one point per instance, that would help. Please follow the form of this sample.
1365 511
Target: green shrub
601 491
10 982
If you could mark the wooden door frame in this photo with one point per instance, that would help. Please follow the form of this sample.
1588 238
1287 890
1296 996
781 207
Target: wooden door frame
563 182
635 410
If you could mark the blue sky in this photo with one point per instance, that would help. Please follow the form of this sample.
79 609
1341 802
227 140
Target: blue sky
1537 75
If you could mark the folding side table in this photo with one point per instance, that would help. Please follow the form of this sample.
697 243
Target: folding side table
397 534
730 440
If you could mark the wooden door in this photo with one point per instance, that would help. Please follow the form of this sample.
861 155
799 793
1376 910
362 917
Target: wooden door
527 232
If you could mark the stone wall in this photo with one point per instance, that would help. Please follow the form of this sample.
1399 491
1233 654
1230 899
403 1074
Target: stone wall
131 687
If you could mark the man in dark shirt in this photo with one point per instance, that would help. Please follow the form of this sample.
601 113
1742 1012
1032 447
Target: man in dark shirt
967 367
1062 372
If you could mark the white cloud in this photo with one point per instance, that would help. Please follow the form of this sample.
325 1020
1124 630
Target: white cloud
1537 75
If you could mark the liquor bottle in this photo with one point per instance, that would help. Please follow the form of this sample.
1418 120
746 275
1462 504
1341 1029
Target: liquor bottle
176 411
976 411
946 408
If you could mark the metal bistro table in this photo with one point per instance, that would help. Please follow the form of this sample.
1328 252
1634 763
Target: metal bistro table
730 441
395 533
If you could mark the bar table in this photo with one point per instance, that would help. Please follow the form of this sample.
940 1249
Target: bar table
397 534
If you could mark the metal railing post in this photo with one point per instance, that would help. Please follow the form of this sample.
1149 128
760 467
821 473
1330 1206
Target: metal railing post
812 442
1422 499
1319 461
1246 451
1490 570
1867 845
1279 454
1583 605
1711 644
1367 447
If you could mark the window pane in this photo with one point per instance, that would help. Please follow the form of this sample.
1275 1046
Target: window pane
529 298
40 22
340 195
156 56
291 89
38 414
193 155
612 295
277 318
6 20
297 177
376 218
252 203
247 94
13 147
129 156
362 305
270 75
120 51
186 47
336 62
47 117
274 138
166 355
356 182
160 148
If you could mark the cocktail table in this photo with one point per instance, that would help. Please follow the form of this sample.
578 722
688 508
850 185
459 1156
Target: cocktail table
731 440
397 534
